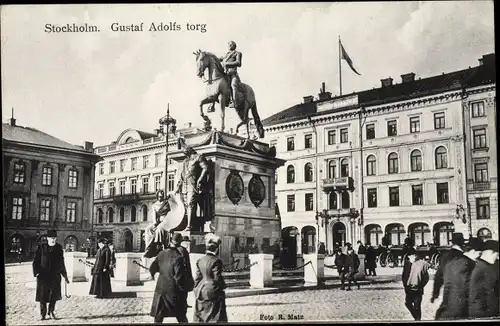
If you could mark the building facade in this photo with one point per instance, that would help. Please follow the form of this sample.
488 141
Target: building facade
48 184
126 182
397 160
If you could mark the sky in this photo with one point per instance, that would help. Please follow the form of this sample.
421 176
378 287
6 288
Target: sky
91 86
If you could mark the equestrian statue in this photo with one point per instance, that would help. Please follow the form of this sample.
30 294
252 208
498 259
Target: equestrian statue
224 87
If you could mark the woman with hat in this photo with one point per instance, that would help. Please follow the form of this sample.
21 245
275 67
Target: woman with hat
101 281
210 304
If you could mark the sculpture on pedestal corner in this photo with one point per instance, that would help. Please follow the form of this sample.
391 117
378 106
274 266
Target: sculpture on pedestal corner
224 86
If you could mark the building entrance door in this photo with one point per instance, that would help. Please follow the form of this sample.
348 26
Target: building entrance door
289 252
338 234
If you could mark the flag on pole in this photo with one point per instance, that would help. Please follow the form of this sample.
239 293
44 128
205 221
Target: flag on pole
346 57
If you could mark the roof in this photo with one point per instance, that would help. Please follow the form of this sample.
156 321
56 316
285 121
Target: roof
472 77
34 136
145 135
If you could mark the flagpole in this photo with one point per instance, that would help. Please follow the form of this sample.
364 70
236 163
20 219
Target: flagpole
340 67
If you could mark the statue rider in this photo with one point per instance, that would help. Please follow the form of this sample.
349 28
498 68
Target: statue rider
231 61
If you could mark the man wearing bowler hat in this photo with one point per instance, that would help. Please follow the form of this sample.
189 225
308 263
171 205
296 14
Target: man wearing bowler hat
48 266
183 249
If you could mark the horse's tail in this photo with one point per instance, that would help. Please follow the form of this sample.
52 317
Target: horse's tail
256 120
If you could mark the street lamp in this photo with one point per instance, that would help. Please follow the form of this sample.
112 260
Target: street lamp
323 215
166 121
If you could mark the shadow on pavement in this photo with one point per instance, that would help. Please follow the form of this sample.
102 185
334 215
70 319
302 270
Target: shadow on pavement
118 295
114 315
382 288
263 304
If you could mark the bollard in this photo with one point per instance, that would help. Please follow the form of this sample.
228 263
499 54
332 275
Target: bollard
361 275
261 272
193 258
127 272
74 267
314 272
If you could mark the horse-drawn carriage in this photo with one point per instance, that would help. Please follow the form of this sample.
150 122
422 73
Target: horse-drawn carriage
395 256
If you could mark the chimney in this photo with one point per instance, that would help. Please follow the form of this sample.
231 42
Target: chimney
323 94
308 99
12 120
408 78
487 60
89 146
386 82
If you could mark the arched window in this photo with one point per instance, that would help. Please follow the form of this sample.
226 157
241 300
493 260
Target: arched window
16 243
393 163
444 233
416 160
371 165
332 199
290 174
332 169
308 172
373 234
345 200
308 240
344 168
441 158
133 213
396 234
144 213
99 215
484 234
122 214
111 214
420 233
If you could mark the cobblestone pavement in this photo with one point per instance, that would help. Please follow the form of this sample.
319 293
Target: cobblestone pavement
373 302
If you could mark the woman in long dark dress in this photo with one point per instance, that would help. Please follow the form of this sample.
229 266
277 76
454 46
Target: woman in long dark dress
210 304
101 281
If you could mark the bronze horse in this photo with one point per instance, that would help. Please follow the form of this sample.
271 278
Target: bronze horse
218 90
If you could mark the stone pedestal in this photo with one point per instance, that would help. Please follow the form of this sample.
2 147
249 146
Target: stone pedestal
128 272
361 275
240 258
74 267
314 273
261 274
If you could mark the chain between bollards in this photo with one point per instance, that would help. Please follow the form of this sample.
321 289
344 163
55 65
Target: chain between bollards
291 268
86 262
240 269
331 266
137 263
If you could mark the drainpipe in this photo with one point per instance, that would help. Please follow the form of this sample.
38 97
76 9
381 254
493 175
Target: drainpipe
316 168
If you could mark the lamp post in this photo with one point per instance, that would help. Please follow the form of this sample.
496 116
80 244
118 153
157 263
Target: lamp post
323 215
166 121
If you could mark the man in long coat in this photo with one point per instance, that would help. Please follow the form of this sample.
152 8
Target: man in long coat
351 267
170 297
48 266
484 294
185 254
370 261
101 281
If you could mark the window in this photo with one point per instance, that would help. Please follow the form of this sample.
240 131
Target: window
309 202
290 144
371 165
133 214
290 201
481 172
439 122
333 200
478 109
45 209
73 179
332 169
308 172
442 193
122 165
122 187
370 131
157 159
392 128
19 172
122 214
393 196
133 164
47 176
100 190
17 208
344 168
483 208
111 167
345 199
393 163
332 137
101 168
416 160
145 185
479 138
414 124
344 137
145 161
171 183
144 213
111 214
133 186
441 158
158 183
308 141
70 212
417 195
111 189
290 174
372 197
99 215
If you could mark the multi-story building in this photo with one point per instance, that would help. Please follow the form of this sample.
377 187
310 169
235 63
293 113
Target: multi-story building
387 161
126 182
48 184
